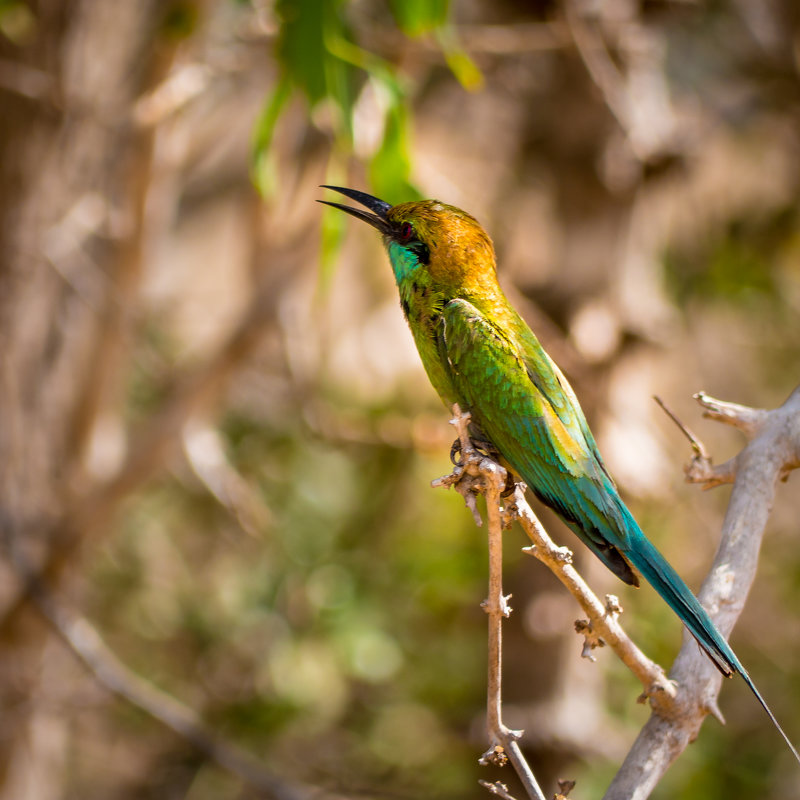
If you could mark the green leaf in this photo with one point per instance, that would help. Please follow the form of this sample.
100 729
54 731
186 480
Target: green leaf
262 163
305 55
464 69
390 167
17 22
417 17
333 229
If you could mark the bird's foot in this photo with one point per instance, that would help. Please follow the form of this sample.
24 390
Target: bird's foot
485 449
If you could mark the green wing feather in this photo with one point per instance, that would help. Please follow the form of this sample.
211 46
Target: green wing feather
523 404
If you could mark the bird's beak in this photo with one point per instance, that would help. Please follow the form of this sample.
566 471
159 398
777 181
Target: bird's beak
380 208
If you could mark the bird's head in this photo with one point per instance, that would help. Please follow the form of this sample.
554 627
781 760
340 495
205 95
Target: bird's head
444 241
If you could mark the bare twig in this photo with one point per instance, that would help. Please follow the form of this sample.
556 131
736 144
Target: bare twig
477 474
480 474
497 788
603 617
637 97
179 88
205 452
478 39
701 469
89 514
27 81
747 420
601 68
497 608
697 446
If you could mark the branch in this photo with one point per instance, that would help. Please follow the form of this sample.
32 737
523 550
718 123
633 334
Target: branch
701 469
773 450
87 644
603 626
637 94
479 474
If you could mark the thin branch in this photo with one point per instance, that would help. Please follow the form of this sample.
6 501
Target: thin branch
497 608
497 788
701 468
27 81
697 446
602 70
747 420
178 89
603 617
638 98
479 474
205 452
88 515
477 39
87 644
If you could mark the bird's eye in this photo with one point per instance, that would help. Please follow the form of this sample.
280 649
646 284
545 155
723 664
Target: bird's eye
406 232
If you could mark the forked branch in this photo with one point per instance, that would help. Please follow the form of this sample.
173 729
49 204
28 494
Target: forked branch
772 451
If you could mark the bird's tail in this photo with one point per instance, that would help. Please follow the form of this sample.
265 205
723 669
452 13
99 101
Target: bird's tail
749 682
663 578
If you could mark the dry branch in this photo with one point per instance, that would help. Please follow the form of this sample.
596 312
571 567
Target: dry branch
773 449
477 474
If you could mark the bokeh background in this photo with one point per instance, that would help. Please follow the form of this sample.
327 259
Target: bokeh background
216 440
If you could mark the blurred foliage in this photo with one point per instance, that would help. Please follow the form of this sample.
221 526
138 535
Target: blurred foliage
17 22
320 59
181 18
743 264
322 607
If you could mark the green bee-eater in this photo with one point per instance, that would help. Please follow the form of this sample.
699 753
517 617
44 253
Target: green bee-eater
479 353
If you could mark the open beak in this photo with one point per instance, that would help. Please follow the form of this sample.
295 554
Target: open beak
377 219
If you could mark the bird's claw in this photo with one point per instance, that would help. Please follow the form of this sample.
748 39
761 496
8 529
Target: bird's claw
455 450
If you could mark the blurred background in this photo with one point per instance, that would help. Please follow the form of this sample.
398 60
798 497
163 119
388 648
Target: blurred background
216 439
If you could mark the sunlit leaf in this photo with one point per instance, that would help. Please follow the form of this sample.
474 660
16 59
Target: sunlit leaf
333 228
262 163
304 53
390 167
416 17
17 22
464 69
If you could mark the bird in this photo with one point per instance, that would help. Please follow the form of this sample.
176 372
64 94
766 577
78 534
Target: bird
478 352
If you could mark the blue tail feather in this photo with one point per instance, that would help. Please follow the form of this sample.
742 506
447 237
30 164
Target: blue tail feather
657 571
663 578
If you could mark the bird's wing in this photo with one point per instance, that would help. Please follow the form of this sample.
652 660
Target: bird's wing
550 381
516 397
